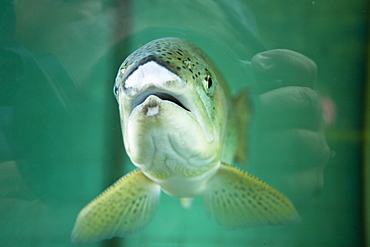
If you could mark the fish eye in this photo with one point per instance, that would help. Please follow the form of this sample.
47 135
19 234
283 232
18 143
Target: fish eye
208 85
208 81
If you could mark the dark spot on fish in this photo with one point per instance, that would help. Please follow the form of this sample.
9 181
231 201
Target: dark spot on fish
179 53
179 59
190 71
116 90
178 68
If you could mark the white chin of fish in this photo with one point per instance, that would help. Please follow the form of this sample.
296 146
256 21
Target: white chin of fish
162 123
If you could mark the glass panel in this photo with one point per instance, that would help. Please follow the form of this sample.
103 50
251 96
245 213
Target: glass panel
301 63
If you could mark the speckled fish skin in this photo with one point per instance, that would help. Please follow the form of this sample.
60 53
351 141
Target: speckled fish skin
197 86
179 129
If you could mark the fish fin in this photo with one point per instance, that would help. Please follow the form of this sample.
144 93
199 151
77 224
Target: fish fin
186 202
237 199
242 109
126 206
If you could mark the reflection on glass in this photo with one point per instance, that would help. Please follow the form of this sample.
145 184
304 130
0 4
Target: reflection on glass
55 76
61 143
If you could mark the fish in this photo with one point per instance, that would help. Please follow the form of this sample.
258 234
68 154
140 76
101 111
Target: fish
181 129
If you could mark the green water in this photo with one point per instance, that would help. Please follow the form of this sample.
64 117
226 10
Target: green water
60 136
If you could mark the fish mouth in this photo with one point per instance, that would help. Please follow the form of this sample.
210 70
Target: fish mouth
163 95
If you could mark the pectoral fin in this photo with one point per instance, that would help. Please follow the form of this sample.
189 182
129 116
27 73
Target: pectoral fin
126 206
237 199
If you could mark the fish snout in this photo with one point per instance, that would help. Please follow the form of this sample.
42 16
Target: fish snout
150 75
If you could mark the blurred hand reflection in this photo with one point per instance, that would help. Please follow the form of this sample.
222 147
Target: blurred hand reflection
49 141
288 146
78 33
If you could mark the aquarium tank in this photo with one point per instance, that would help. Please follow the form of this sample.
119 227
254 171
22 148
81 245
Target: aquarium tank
302 64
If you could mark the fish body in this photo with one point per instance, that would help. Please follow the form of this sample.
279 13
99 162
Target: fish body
179 128
174 108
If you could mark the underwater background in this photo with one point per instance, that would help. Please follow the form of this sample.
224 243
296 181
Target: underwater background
60 136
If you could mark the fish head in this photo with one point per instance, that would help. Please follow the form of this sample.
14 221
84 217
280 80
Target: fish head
172 107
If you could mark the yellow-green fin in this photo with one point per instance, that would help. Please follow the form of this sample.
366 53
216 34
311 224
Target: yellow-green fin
126 206
186 202
242 109
237 199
